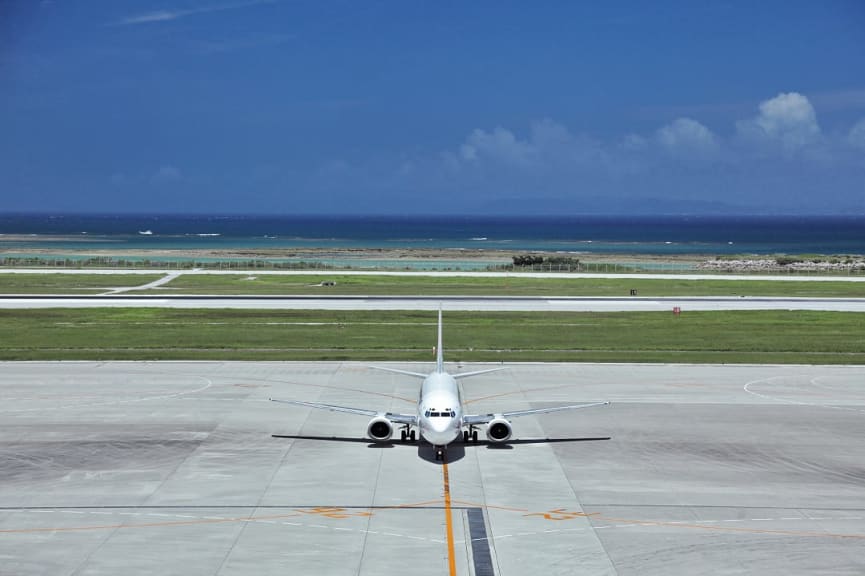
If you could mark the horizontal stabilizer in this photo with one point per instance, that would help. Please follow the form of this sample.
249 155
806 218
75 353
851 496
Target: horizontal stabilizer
476 372
403 372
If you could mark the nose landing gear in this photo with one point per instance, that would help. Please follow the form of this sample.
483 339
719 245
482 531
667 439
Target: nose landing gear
471 433
439 452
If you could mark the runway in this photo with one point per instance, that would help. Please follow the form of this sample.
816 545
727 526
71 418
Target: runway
465 303
172 468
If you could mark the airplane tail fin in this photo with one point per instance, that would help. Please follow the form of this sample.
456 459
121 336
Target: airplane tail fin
440 361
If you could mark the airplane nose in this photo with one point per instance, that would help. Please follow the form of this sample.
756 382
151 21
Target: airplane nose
441 433
440 426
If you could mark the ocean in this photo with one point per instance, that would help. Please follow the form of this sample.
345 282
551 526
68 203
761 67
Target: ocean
575 234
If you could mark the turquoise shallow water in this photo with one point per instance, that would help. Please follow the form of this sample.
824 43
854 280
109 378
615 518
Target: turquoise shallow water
572 234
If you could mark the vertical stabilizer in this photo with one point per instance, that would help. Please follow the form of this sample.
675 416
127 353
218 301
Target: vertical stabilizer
440 361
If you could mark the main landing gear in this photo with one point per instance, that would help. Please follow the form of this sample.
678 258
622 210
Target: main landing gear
406 434
471 433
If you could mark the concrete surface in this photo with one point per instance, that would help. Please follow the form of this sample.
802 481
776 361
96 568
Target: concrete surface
170 468
480 303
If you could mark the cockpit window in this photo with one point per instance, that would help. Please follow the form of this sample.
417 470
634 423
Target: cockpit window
435 413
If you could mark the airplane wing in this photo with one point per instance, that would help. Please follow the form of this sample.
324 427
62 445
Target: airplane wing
475 419
393 417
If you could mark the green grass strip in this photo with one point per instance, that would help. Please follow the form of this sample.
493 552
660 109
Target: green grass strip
25 283
175 334
376 285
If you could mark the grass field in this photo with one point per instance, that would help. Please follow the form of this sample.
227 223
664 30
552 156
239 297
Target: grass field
70 283
374 285
171 334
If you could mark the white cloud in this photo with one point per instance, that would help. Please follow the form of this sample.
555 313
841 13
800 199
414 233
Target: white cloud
158 16
499 145
468 152
687 137
167 15
682 165
856 136
788 119
549 145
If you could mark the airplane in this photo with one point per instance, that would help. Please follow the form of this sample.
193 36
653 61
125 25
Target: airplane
440 416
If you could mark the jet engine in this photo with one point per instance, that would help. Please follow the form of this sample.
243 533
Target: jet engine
379 429
499 430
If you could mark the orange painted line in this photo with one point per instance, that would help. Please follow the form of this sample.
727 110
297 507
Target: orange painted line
452 566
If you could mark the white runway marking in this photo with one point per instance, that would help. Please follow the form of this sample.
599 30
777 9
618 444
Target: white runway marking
118 401
747 388
156 283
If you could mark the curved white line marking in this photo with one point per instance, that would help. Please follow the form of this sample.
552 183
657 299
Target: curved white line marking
120 401
747 388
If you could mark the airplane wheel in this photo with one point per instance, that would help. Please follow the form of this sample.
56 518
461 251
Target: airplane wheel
412 436
402 435
465 435
474 435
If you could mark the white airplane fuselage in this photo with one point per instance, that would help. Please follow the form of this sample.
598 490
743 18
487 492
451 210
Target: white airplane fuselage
439 417
439 409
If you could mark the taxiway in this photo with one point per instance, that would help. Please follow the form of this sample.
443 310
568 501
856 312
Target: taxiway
172 468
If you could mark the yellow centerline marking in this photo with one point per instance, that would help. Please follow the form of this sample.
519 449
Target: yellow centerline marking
452 567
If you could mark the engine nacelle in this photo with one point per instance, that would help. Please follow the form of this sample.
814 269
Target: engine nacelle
499 430
379 429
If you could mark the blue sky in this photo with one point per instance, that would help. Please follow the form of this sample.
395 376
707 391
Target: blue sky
282 106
